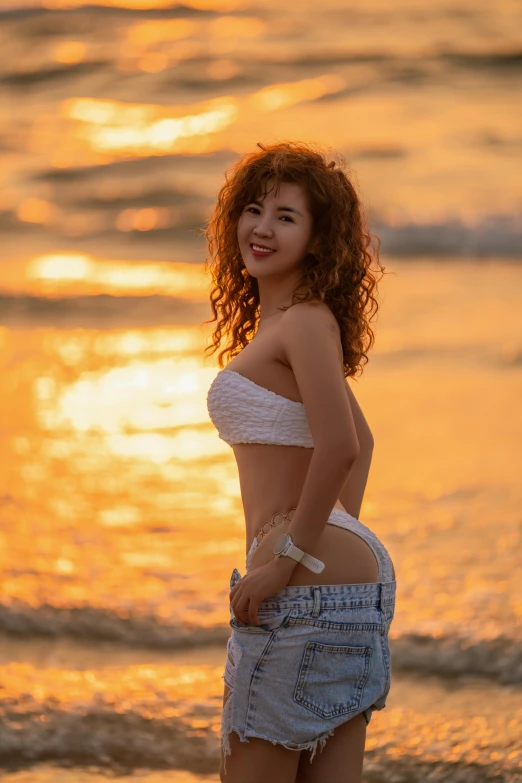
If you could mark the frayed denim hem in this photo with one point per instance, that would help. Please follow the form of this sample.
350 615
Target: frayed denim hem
243 737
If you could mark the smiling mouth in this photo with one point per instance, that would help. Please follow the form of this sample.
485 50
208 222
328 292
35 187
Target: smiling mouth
260 249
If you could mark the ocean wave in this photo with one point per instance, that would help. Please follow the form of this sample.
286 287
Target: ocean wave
498 659
50 75
128 742
504 59
103 625
105 737
497 236
100 310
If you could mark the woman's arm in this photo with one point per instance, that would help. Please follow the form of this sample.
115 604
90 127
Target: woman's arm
312 342
352 493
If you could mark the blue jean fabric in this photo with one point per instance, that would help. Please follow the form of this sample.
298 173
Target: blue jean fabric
319 657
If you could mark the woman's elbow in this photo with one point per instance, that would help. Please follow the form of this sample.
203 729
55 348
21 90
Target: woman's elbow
369 444
353 454
346 451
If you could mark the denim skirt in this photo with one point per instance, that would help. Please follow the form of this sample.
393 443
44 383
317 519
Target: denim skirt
319 657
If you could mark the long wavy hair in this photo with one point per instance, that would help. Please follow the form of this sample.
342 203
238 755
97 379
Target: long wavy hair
339 273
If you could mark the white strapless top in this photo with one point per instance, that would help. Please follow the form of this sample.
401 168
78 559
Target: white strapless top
244 412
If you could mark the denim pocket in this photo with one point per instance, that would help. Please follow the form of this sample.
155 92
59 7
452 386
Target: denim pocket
248 628
269 621
332 677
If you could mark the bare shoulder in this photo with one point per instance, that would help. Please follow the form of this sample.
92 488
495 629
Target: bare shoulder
313 318
315 311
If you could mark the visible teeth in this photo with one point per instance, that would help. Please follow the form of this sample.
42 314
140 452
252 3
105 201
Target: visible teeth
262 249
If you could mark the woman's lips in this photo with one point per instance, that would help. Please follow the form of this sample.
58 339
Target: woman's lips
260 253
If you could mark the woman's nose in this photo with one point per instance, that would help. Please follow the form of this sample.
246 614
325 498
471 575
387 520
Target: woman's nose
263 228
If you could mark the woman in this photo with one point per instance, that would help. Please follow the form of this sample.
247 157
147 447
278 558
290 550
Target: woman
308 659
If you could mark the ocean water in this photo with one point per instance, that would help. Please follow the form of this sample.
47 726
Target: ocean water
120 508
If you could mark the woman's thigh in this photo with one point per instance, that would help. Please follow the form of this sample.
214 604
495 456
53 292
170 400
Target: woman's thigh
341 759
258 760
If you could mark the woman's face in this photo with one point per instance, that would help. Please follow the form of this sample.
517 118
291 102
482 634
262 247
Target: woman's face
281 222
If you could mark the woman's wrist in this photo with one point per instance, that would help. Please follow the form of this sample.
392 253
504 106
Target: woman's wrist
284 564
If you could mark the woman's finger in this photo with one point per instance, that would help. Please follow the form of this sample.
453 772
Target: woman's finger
240 609
253 606
238 586
235 600
235 592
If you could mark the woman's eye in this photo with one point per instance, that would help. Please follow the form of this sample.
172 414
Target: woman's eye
256 211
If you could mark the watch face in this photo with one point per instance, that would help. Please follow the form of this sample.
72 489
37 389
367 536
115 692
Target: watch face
280 543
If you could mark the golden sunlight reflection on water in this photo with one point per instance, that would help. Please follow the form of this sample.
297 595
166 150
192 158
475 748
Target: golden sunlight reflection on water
136 433
119 129
70 274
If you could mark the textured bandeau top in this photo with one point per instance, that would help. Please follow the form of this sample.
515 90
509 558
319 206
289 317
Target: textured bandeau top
244 412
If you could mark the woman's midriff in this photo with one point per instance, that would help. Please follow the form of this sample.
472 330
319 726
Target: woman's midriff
271 480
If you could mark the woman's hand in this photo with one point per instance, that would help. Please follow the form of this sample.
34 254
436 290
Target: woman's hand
258 584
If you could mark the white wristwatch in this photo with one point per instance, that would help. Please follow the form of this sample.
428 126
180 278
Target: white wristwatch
285 547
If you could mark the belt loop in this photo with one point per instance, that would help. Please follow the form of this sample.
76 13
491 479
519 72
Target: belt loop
381 597
316 609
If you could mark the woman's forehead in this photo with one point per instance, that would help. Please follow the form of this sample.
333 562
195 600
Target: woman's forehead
284 191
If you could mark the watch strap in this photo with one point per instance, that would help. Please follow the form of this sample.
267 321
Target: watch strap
313 563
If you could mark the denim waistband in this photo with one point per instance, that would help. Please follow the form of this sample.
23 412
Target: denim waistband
315 597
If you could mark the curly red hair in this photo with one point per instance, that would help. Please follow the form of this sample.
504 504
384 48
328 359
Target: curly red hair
339 273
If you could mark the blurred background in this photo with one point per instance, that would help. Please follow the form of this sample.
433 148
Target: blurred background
120 515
